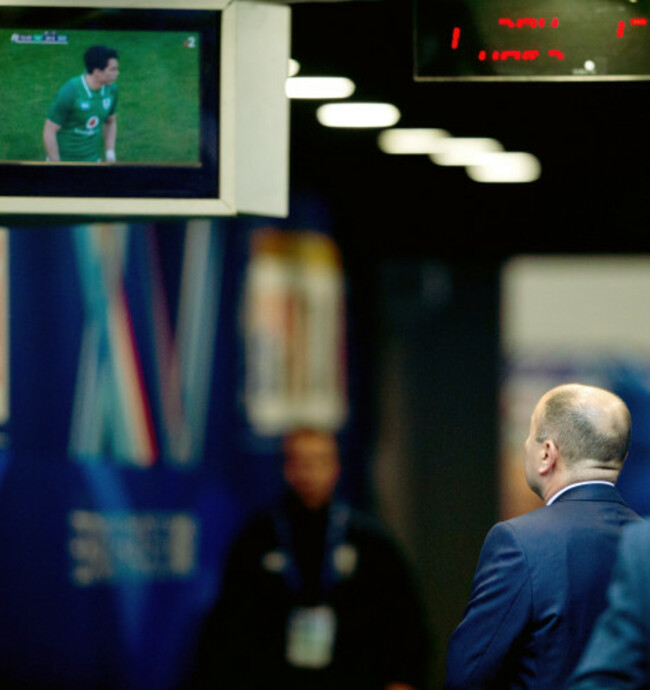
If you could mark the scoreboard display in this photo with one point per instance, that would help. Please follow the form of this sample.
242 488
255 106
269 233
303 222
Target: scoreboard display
532 40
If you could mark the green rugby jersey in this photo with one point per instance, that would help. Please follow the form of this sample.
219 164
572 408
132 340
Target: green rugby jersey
82 113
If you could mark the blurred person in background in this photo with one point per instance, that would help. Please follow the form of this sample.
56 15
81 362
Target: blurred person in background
541 578
618 654
315 595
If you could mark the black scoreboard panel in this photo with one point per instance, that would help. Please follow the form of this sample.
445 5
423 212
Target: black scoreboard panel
532 40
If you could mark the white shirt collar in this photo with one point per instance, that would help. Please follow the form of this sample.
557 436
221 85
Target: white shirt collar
85 85
553 498
89 91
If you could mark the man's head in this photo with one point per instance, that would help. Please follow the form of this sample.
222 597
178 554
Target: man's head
311 466
577 433
102 64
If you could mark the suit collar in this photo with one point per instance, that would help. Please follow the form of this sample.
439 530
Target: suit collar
588 491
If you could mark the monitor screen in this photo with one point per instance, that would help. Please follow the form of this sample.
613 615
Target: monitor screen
101 102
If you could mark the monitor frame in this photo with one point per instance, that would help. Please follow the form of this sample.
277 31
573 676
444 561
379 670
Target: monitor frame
253 127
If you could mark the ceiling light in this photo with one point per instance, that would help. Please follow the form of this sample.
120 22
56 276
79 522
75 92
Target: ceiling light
319 87
506 166
358 115
411 141
464 150
294 67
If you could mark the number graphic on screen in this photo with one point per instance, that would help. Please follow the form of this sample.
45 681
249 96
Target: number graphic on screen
519 23
636 21
518 55
455 38
530 22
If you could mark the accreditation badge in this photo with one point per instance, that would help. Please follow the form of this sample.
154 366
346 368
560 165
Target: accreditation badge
311 632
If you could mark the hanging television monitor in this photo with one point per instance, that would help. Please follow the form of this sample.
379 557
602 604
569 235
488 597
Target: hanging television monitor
143 108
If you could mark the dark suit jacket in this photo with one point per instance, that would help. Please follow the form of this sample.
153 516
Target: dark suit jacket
539 586
618 654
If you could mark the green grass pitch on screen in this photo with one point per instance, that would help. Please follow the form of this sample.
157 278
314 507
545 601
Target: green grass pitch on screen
158 107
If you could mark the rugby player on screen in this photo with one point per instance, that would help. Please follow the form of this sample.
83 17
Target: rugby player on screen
82 117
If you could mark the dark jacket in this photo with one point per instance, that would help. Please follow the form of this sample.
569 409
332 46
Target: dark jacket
293 558
618 654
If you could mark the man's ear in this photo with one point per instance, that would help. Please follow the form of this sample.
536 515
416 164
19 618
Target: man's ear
550 455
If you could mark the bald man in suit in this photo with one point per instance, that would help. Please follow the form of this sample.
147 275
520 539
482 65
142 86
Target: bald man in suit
541 578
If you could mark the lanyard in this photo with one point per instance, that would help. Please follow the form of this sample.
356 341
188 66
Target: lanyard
338 517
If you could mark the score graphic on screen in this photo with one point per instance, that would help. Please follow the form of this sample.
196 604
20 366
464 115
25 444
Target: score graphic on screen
527 41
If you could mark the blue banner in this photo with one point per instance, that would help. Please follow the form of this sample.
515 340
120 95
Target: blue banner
128 459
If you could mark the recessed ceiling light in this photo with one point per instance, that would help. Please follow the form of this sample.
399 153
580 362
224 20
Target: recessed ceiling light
411 141
319 87
294 67
464 150
506 166
358 115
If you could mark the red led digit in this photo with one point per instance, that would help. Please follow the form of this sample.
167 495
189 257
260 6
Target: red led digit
526 21
520 23
635 21
455 36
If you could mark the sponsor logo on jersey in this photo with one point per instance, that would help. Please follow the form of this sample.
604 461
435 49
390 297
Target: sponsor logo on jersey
92 122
